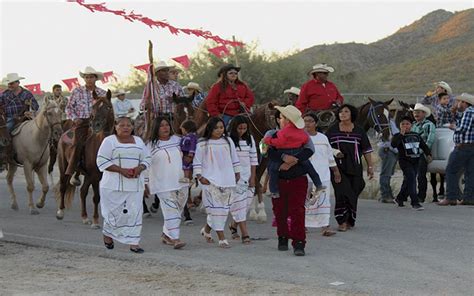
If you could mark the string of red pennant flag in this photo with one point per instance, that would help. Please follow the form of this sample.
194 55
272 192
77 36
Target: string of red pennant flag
132 16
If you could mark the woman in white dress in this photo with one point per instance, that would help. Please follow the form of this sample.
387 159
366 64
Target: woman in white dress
122 158
217 167
318 211
165 171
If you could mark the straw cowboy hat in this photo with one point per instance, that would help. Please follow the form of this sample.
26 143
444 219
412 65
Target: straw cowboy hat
162 65
194 86
121 92
421 107
321 68
445 86
292 90
465 97
11 77
91 71
293 114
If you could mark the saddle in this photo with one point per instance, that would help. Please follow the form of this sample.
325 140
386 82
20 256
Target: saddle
17 128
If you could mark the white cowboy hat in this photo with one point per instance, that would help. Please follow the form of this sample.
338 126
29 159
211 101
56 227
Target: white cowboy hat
465 97
162 65
121 92
292 90
445 86
11 77
193 85
321 68
89 70
293 114
424 108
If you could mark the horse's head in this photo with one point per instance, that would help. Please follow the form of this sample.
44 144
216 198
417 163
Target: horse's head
102 116
406 110
53 114
4 134
183 100
376 115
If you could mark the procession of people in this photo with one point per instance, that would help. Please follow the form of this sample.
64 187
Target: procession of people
303 161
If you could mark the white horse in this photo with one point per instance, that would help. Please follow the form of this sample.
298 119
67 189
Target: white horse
31 146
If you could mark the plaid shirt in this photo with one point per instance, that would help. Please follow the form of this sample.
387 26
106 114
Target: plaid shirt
427 131
80 103
433 100
15 104
464 132
443 115
166 92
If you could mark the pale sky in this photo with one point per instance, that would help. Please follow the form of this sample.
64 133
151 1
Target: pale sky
50 41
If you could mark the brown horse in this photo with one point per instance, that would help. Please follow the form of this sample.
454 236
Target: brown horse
102 125
374 114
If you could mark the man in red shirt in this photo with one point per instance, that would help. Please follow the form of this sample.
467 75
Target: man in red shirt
319 93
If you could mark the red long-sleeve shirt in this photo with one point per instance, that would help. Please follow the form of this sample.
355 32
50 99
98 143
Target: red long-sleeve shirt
289 137
316 96
217 100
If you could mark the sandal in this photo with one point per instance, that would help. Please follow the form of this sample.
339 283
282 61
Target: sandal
328 232
178 244
206 235
246 240
224 244
137 250
110 245
233 231
166 240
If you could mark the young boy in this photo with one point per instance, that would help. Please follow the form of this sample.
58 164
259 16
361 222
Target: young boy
290 140
443 112
409 145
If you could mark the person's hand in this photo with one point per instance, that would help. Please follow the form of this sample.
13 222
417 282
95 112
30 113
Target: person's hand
147 191
138 170
337 177
289 159
28 114
204 181
187 159
127 173
452 126
370 172
252 182
285 166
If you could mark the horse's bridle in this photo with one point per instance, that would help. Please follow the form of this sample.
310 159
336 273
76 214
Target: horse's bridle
379 127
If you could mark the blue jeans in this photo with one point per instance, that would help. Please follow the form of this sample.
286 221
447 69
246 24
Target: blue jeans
460 159
10 124
389 161
226 119
422 180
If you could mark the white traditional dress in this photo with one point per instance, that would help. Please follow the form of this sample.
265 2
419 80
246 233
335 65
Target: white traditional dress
318 214
243 193
121 197
217 161
163 180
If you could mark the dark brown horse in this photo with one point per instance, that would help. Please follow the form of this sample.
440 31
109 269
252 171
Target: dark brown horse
374 114
102 125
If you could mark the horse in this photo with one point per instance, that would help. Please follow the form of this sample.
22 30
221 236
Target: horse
374 114
30 143
53 147
5 138
102 125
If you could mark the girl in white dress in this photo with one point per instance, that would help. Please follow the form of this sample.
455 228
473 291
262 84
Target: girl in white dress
217 167
245 189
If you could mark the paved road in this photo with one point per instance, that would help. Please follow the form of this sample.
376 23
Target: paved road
390 252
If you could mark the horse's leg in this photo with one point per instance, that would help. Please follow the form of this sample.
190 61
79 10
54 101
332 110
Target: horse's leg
30 186
84 191
10 175
43 178
433 185
96 200
441 185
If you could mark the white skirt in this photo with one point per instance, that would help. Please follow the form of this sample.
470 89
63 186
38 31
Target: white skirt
241 201
122 213
217 201
318 214
172 205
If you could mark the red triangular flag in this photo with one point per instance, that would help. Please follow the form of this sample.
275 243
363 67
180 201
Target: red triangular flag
143 67
219 51
71 83
183 60
108 77
34 88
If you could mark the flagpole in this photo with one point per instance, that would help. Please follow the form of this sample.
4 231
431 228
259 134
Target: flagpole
149 105
237 64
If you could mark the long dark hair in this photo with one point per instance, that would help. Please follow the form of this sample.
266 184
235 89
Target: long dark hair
234 134
352 109
211 126
154 138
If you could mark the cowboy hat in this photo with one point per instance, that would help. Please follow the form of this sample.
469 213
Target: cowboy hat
445 86
424 108
11 77
193 85
91 71
293 114
321 68
121 92
292 90
226 68
465 97
162 65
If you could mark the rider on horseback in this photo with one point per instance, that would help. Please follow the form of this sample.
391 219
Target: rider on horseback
79 110
17 103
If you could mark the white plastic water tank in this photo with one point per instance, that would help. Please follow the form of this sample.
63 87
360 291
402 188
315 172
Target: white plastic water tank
441 149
